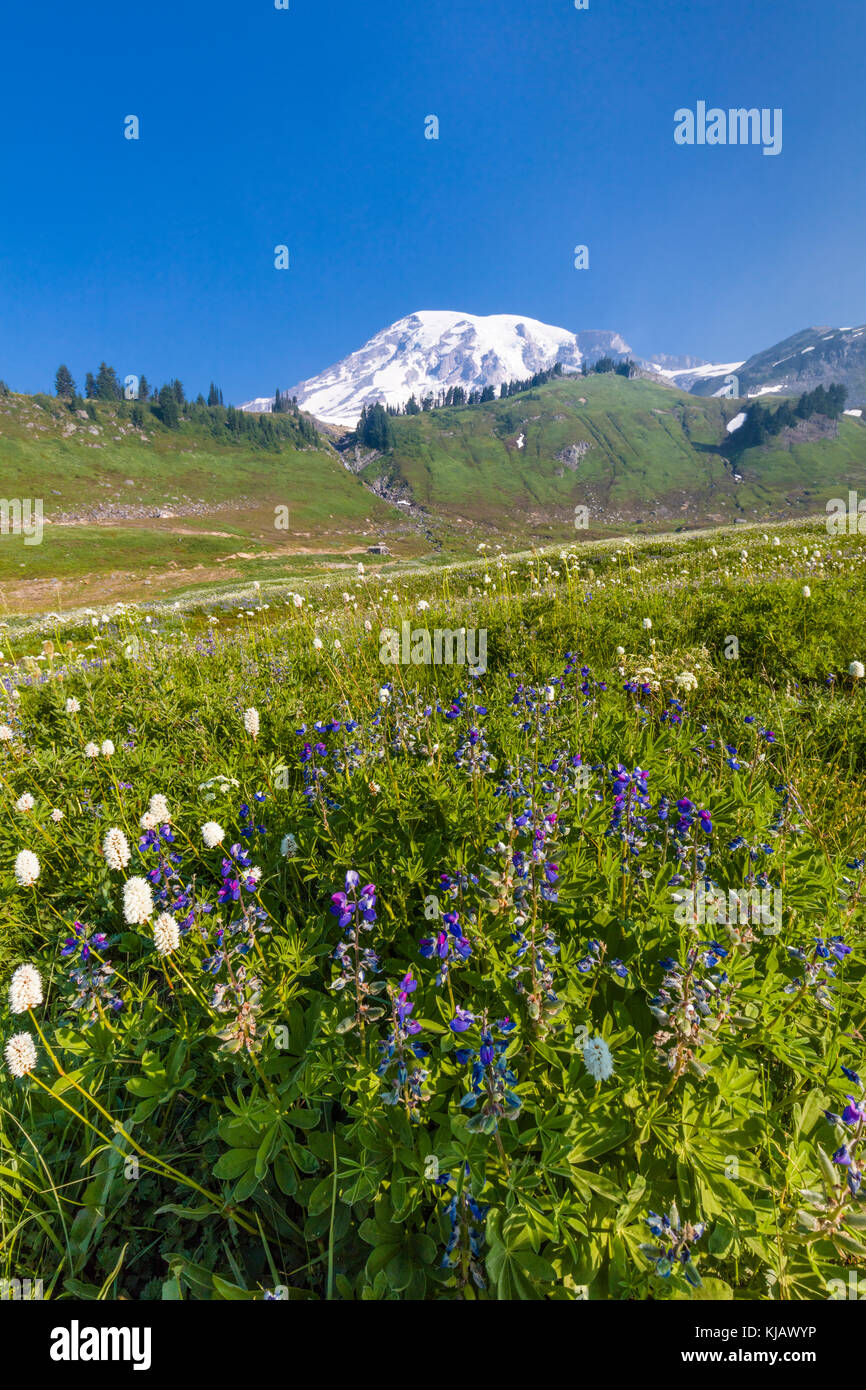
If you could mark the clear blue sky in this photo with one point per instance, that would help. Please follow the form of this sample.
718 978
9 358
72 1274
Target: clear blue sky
306 127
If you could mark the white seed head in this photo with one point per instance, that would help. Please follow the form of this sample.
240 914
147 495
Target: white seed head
213 834
158 808
597 1059
25 989
115 849
166 934
137 901
21 1054
26 868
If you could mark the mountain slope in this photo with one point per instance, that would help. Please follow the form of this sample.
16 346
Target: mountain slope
428 352
810 358
141 512
434 349
631 451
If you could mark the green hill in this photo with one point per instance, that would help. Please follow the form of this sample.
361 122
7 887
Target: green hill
134 510
631 451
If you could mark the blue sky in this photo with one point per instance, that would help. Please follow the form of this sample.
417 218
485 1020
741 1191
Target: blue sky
306 127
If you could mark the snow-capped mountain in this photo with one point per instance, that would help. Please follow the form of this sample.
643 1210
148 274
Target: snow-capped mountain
432 350
435 349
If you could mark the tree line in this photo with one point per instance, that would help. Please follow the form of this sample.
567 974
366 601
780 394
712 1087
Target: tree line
169 405
374 430
762 424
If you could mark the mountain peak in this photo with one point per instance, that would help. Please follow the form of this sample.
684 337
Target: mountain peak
433 349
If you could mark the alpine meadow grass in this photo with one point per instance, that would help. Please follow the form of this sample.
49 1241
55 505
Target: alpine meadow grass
542 978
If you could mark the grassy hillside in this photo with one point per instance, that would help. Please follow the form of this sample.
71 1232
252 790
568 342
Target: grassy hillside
127 507
633 452
154 512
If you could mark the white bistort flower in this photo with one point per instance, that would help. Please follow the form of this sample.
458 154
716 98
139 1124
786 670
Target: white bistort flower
21 1054
166 934
91 750
288 847
597 1059
148 821
857 670
213 834
56 816
25 803
807 592
137 901
25 989
158 808
6 734
72 705
107 748
647 623
115 849
251 721
26 868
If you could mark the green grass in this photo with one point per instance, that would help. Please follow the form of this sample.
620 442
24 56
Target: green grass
653 463
245 493
654 457
190 1168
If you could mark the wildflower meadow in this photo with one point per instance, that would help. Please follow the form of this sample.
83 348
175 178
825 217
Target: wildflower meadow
347 958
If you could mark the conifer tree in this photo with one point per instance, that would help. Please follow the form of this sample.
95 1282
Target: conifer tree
63 383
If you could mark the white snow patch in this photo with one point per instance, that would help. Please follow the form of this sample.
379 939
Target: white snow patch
856 413
737 421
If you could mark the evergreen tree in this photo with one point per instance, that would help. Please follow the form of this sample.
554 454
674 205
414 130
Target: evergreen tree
375 429
143 388
108 388
63 383
90 386
168 408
